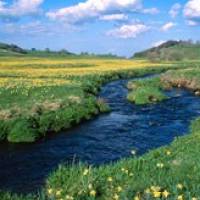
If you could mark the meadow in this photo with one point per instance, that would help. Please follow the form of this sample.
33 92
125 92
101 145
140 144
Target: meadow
42 95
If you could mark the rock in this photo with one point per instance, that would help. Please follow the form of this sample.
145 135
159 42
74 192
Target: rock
197 93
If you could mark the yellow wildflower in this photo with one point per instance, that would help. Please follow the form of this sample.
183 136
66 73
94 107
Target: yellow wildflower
157 194
136 198
168 153
155 188
131 174
165 193
160 165
68 197
93 193
180 197
194 198
122 169
147 191
116 197
179 186
85 173
90 186
50 191
119 189
109 179
58 193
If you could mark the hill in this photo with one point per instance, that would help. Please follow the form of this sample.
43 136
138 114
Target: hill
14 50
11 49
172 51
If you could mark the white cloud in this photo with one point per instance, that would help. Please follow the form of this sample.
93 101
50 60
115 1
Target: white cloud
175 10
93 9
192 12
152 11
36 28
128 31
158 43
167 26
113 17
19 8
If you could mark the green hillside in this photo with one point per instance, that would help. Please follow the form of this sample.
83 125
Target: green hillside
14 50
171 51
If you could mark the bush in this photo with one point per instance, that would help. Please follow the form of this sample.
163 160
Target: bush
22 131
3 130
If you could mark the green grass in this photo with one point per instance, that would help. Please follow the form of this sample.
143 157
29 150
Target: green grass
146 91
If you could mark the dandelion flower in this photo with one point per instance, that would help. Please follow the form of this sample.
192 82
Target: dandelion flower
50 191
160 165
90 186
179 186
93 193
58 193
136 198
168 153
180 197
147 191
85 173
157 194
116 197
165 193
155 188
109 179
122 169
131 174
119 189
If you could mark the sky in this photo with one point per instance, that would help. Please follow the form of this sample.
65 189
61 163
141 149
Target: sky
120 27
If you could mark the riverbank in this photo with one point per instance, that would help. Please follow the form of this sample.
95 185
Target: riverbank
41 96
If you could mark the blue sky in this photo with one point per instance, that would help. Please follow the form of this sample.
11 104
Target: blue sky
98 26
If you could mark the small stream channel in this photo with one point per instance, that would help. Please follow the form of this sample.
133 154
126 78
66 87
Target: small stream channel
108 137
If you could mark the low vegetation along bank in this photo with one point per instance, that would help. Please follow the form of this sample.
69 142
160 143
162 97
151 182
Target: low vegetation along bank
152 90
42 95
146 91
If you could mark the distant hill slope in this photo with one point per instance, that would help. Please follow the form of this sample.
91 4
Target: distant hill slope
14 50
11 49
171 51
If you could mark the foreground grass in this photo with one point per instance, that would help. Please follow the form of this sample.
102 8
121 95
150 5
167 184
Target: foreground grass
42 95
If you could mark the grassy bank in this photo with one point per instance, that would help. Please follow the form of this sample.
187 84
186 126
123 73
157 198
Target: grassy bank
42 95
146 91
187 78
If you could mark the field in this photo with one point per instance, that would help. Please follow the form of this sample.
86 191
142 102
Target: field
42 95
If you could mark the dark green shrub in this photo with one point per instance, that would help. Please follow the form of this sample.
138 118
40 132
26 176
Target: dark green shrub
3 130
21 130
